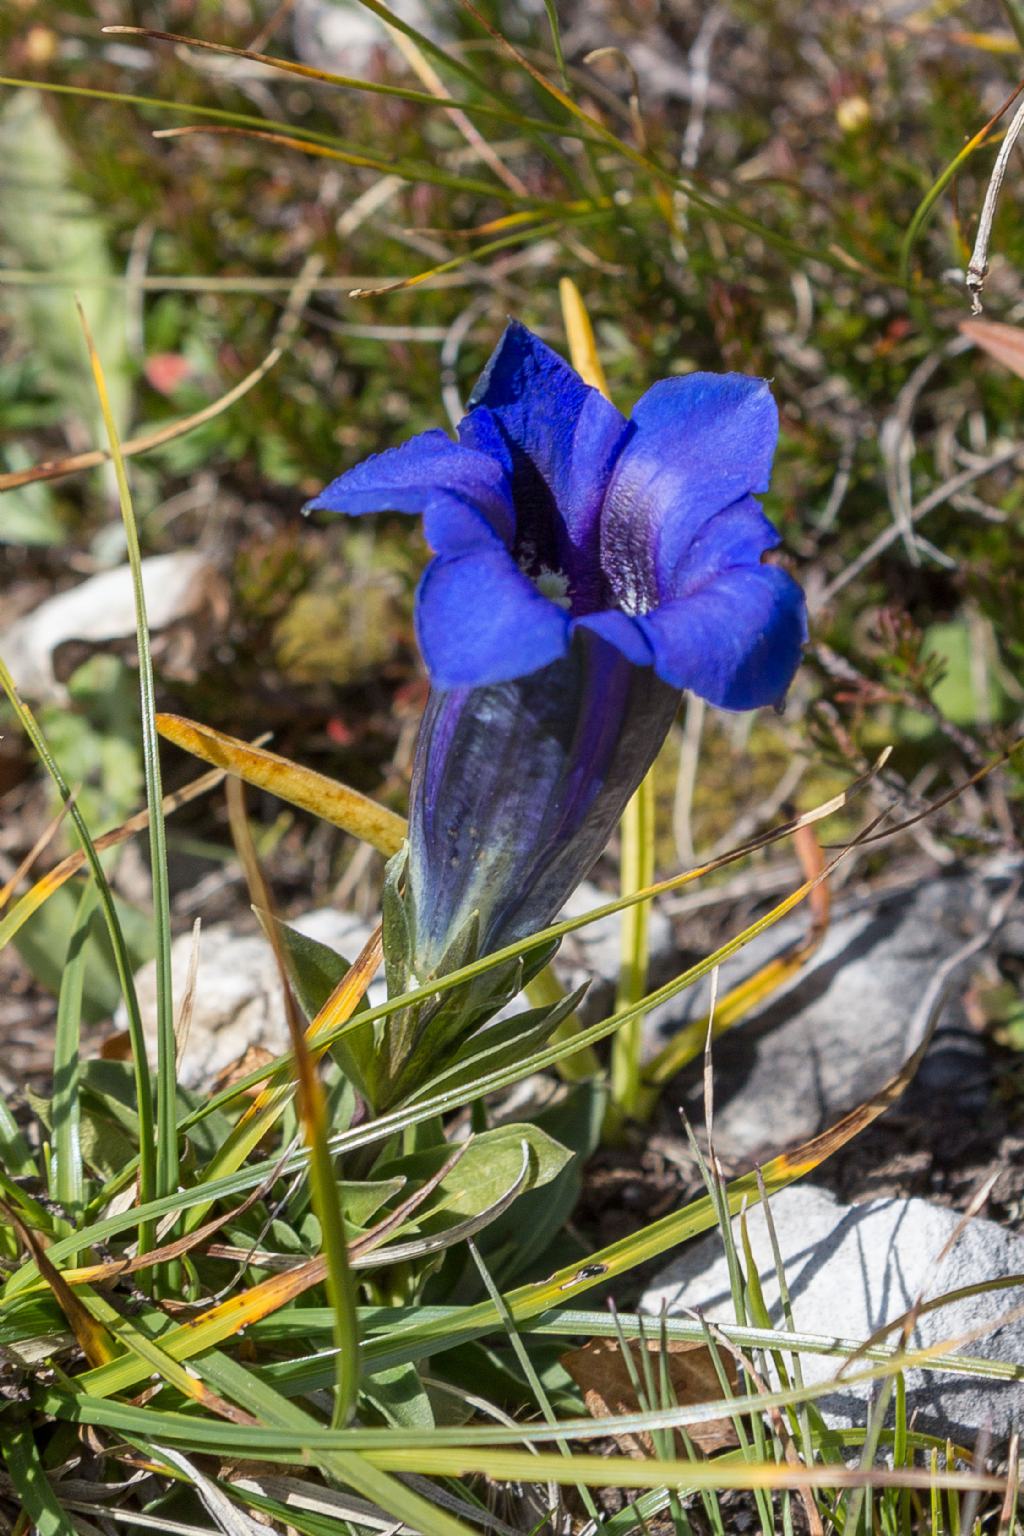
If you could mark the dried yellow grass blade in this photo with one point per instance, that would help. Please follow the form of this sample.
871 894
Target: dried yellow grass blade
580 336
96 1343
301 787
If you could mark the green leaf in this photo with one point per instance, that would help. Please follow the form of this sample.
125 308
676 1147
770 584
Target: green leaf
490 1164
400 1398
31 1320
15 1156
31 1484
314 969
500 1044
516 1243
396 931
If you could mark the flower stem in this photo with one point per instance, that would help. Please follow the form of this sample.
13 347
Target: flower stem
637 871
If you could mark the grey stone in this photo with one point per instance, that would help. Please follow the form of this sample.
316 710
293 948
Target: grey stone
851 1270
832 1036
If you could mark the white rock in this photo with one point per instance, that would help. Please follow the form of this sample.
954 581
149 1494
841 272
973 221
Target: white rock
852 1269
183 592
238 991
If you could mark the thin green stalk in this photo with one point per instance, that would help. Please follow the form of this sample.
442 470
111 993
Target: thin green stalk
167 1079
637 873
926 207
341 1287
1015 15
312 1103
68 1177
545 990
507 115
527 1367
122 961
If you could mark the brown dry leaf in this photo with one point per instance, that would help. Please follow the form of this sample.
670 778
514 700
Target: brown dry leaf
252 1060
116 1047
602 1375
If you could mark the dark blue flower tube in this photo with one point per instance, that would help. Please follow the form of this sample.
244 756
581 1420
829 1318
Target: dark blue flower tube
517 787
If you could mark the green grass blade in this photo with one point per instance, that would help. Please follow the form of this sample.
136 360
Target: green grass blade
15 1156
122 961
167 1080
926 207
68 1176
39 1503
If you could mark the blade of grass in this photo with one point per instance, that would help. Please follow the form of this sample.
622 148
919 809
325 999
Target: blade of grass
31 1484
414 172
636 874
566 1322
926 207
483 1448
352 82
14 1153
166 1169
312 1103
526 1365
94 1340
68 1176
55 469
122 962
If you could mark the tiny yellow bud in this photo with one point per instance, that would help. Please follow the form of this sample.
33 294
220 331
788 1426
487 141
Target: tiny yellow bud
853 113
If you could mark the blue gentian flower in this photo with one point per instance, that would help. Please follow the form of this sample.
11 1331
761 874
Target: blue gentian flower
552 513
587 569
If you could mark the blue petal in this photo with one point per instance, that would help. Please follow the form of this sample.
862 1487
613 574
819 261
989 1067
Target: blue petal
463 495
700 444
621 631
737 536
736 641
479 620
561 439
